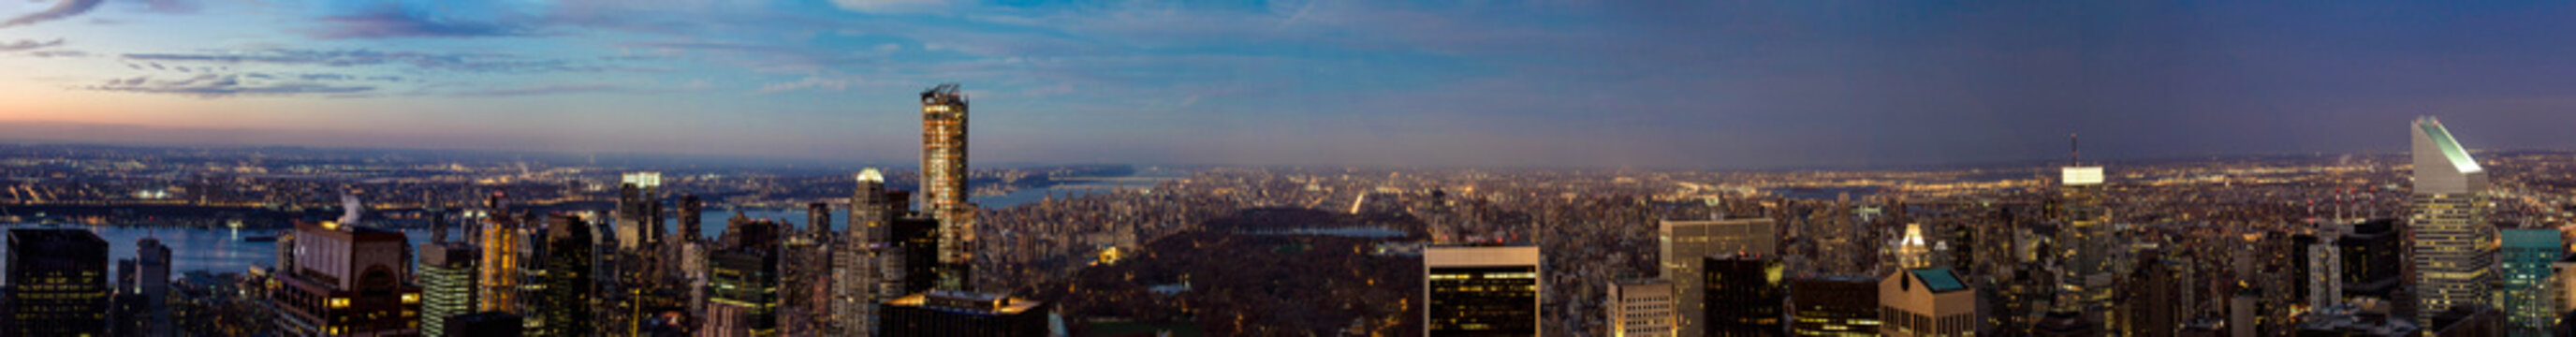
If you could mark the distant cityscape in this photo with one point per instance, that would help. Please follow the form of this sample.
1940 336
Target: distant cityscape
2444 240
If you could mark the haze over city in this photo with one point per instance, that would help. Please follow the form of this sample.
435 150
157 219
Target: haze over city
1510 83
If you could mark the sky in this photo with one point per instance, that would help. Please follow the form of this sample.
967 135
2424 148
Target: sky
1553 83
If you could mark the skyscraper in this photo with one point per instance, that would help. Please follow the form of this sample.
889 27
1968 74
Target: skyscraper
2084 280
149 281
569 288
1644 308
856 275
2530 283
943 182
499 238
57 283
447 284
2454 249
1684 244
1744 295
1481 291
346 280
639 213
743 299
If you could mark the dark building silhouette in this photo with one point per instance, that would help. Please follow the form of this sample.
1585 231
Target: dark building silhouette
57 283
1744 295
1842 305
485 324
944 313
569 285
744 299
345 279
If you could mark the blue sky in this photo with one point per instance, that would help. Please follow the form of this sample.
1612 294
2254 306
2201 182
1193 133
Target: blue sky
1456 83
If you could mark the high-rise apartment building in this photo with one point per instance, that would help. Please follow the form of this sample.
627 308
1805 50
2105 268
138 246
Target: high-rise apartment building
2453 245
57 283
1482 291
943 182
857 279
1684 244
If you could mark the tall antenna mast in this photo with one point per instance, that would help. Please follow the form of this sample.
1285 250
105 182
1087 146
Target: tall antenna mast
2074 150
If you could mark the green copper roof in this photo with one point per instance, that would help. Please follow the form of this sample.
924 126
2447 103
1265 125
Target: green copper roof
1939 279
2450 148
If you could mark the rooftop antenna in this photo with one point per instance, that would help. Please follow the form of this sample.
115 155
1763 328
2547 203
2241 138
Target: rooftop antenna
2074 150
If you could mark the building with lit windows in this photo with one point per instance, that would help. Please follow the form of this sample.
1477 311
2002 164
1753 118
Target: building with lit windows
1744 295
2531 290
2084 243
1481 291
570 289
1684 244
858 280
57 283
447 284
2453 249
943 182
1641 308
743 300
499 237
1836 306
345 280
1927 303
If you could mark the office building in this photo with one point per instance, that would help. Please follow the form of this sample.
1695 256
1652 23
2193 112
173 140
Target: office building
1833 306
57 284
744 298
1482 291
1684 244
346 279
858 281
2084 242
1642 308
2531 287
1744 296
943 181
946 313
446 283
569 288
143 292
2453 245
1927 303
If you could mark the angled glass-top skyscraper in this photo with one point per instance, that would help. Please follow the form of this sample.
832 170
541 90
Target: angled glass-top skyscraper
2454 250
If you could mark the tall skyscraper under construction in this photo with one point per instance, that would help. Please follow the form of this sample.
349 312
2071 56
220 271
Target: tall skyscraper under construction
943 182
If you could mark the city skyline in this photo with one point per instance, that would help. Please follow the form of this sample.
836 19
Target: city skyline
1520 84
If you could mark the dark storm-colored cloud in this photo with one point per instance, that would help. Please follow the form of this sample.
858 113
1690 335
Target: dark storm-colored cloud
64 9
25 45
210 86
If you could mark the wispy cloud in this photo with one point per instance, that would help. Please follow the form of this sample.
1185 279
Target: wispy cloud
544 90
463 62
64 9
393 24
211 86
891 6
809 82
25 45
